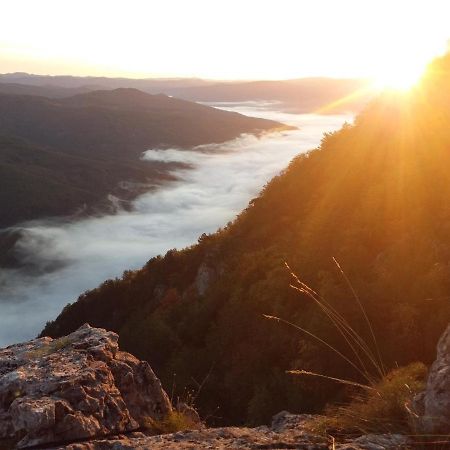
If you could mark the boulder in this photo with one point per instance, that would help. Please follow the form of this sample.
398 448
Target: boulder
73 388
431 407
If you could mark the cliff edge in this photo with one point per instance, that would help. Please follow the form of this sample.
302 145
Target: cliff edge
80 392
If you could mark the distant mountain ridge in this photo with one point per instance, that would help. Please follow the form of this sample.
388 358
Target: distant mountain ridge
49 91
296 95
119 121
149 85
302 95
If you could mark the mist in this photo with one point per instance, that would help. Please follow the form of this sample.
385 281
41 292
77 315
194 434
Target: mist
220 181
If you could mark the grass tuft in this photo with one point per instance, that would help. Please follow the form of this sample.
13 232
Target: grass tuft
48 349
380 403
381 410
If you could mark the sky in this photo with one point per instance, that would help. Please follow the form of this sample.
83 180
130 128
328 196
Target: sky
222 39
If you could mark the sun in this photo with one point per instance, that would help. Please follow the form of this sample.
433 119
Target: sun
399 78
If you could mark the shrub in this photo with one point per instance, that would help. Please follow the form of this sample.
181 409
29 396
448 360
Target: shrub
175 421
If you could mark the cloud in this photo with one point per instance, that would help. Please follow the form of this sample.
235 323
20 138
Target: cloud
217 186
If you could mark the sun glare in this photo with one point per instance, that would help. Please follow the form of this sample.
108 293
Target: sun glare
399 78
357 38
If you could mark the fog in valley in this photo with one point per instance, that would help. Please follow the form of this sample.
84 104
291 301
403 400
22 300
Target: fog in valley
76 256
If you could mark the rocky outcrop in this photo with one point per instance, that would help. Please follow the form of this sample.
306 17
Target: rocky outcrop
287 431
432 407
81 393
206 275
76 387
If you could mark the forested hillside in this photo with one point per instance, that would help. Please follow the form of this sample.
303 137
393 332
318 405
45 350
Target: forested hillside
375 196
57 155
37 181
119 123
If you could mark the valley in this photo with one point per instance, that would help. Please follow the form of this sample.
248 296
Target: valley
60 258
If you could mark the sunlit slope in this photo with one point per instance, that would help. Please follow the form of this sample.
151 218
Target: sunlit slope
375 195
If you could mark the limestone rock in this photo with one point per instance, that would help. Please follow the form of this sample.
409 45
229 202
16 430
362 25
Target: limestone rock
377 442
206 275
210 438
76 387
284 420
432 407
287 431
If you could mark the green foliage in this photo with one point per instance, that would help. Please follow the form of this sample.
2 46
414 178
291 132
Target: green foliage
375 196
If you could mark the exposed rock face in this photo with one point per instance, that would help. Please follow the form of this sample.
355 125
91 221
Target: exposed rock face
77 387
205 277
433 405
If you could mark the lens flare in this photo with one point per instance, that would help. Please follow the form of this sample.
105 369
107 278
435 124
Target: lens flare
399 78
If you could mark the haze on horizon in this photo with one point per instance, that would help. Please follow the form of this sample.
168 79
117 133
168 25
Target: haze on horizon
255 39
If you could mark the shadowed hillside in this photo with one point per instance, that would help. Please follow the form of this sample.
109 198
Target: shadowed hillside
39 182
375 196
113 123
57 155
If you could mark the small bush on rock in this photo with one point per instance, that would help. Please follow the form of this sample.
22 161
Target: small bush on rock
175 421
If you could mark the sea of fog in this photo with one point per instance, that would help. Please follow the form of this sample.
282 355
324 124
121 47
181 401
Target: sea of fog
221 181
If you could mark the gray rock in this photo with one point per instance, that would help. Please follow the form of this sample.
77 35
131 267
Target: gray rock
210 438
284 420
377 442
206 275
288 431
77 387
432 407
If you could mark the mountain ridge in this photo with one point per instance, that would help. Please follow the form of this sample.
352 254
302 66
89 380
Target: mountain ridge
90 142
302 95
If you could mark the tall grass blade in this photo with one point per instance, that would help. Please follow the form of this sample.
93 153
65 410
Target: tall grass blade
355 295
297 327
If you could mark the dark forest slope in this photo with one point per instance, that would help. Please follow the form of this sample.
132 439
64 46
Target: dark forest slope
375 195
38 182
115 123
57 155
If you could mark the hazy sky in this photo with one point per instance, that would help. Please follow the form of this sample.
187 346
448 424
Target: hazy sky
222 38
